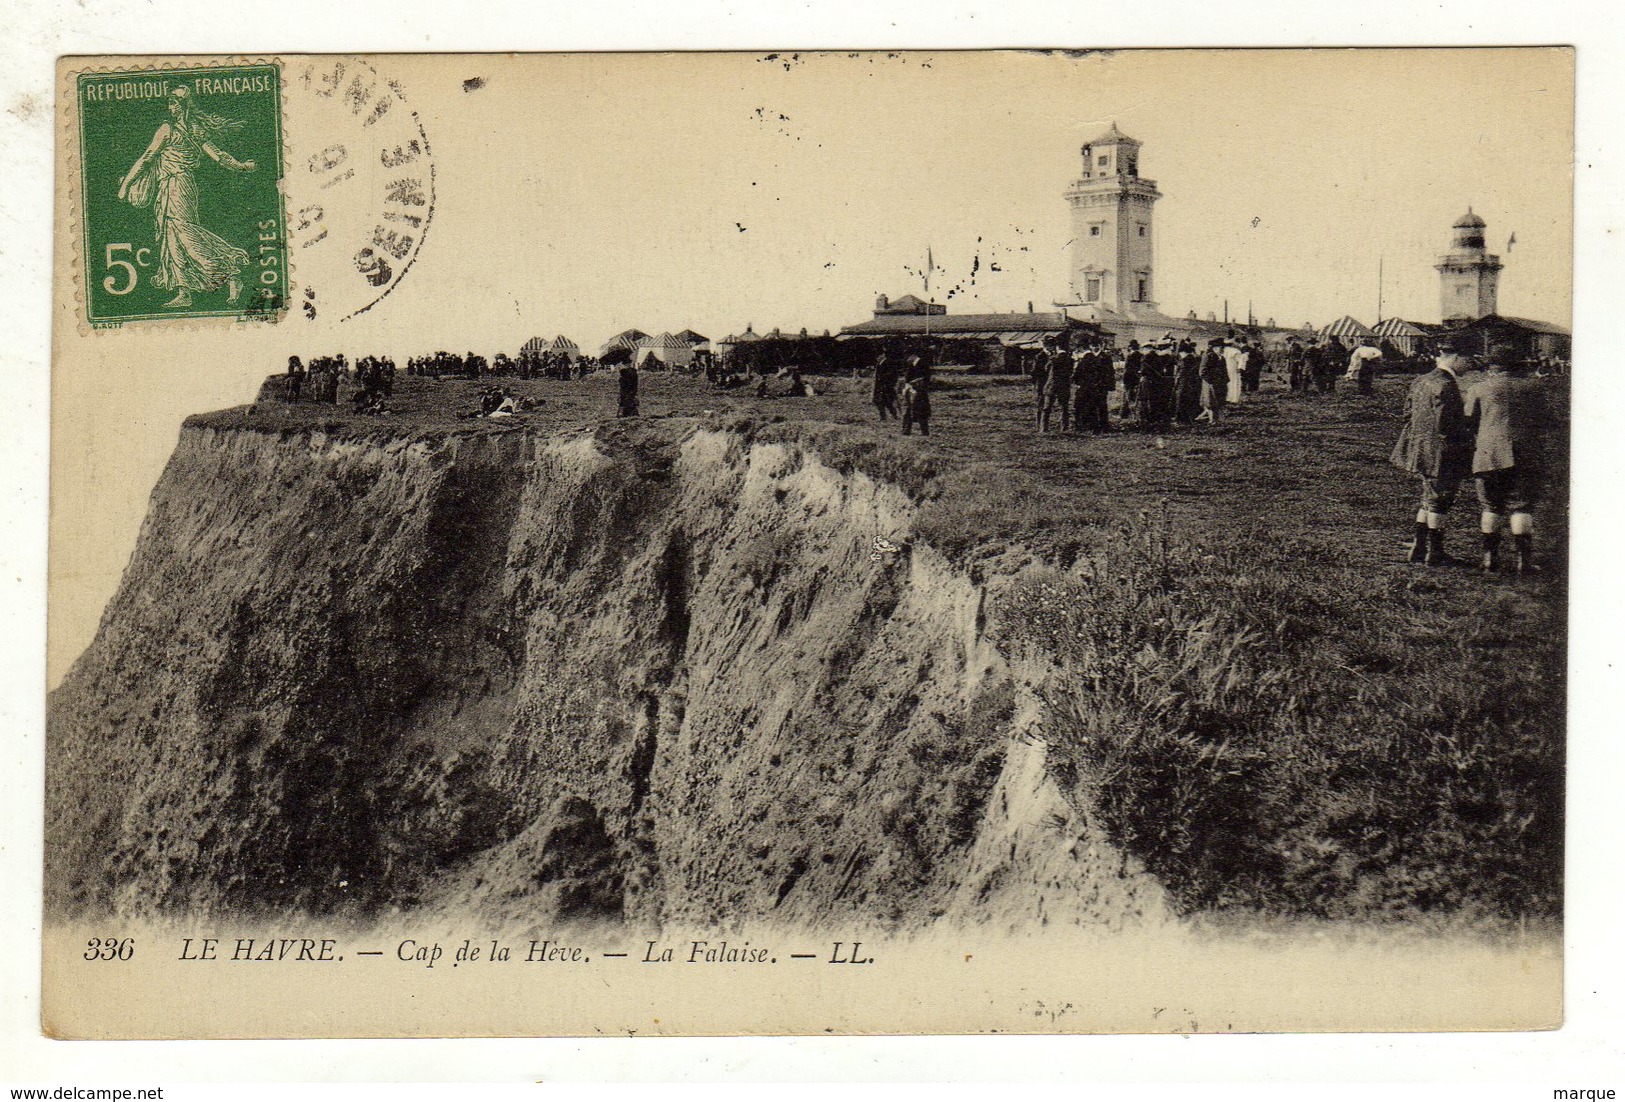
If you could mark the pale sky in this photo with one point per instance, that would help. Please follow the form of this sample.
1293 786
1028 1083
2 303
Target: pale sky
586 194
620 185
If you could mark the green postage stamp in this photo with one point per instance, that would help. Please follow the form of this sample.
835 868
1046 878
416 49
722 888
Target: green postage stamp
181 194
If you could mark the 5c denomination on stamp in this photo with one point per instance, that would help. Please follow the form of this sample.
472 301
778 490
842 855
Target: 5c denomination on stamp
181 203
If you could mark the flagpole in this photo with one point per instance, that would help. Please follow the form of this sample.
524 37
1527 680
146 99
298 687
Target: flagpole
1379 290
929 264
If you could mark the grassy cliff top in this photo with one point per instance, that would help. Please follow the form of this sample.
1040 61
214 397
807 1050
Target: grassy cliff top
1313 468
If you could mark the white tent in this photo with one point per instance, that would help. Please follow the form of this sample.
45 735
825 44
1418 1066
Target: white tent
667 349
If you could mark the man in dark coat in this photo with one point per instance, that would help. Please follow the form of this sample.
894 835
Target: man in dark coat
1187 384
1436 443
885 388
629 390
1132 360
1040 376
1252 372
1083 366
1510 415
1057 390
1215 377
1102 381
1323 357
1091 364
1156 387
917 397
1294 367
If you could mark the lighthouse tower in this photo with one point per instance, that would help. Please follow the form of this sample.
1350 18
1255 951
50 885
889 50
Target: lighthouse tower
1468 274
1111 229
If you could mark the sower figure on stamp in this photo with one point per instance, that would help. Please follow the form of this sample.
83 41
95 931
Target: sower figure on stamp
1506 457
1436 442
191 259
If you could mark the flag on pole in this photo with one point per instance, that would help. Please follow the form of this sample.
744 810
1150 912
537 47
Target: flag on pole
1510 241
930 266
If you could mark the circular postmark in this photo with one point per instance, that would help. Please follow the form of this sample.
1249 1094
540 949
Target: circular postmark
360 186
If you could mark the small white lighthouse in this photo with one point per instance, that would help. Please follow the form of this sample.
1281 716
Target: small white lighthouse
1468 274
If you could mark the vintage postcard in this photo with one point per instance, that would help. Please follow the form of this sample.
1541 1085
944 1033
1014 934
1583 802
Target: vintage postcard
807 543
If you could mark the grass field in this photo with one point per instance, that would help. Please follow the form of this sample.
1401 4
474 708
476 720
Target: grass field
1259 698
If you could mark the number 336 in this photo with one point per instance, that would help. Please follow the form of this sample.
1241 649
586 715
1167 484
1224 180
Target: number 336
109 948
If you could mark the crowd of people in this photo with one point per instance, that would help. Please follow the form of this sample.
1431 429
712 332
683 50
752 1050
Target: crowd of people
318 381
1490 434
546 364
1165 382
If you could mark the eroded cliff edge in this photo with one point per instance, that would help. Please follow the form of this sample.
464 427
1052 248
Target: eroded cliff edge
650 672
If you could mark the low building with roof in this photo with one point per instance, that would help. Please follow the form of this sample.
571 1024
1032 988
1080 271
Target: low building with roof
908 304
990 342
1532 339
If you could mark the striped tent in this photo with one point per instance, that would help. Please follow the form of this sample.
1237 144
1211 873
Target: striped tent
533 348
627 339
665 349
570 348
1346 331
1401 334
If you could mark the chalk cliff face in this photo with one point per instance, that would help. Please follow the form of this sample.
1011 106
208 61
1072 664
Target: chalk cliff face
652 673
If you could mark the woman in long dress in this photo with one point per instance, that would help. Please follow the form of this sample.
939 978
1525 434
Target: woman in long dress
191 259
